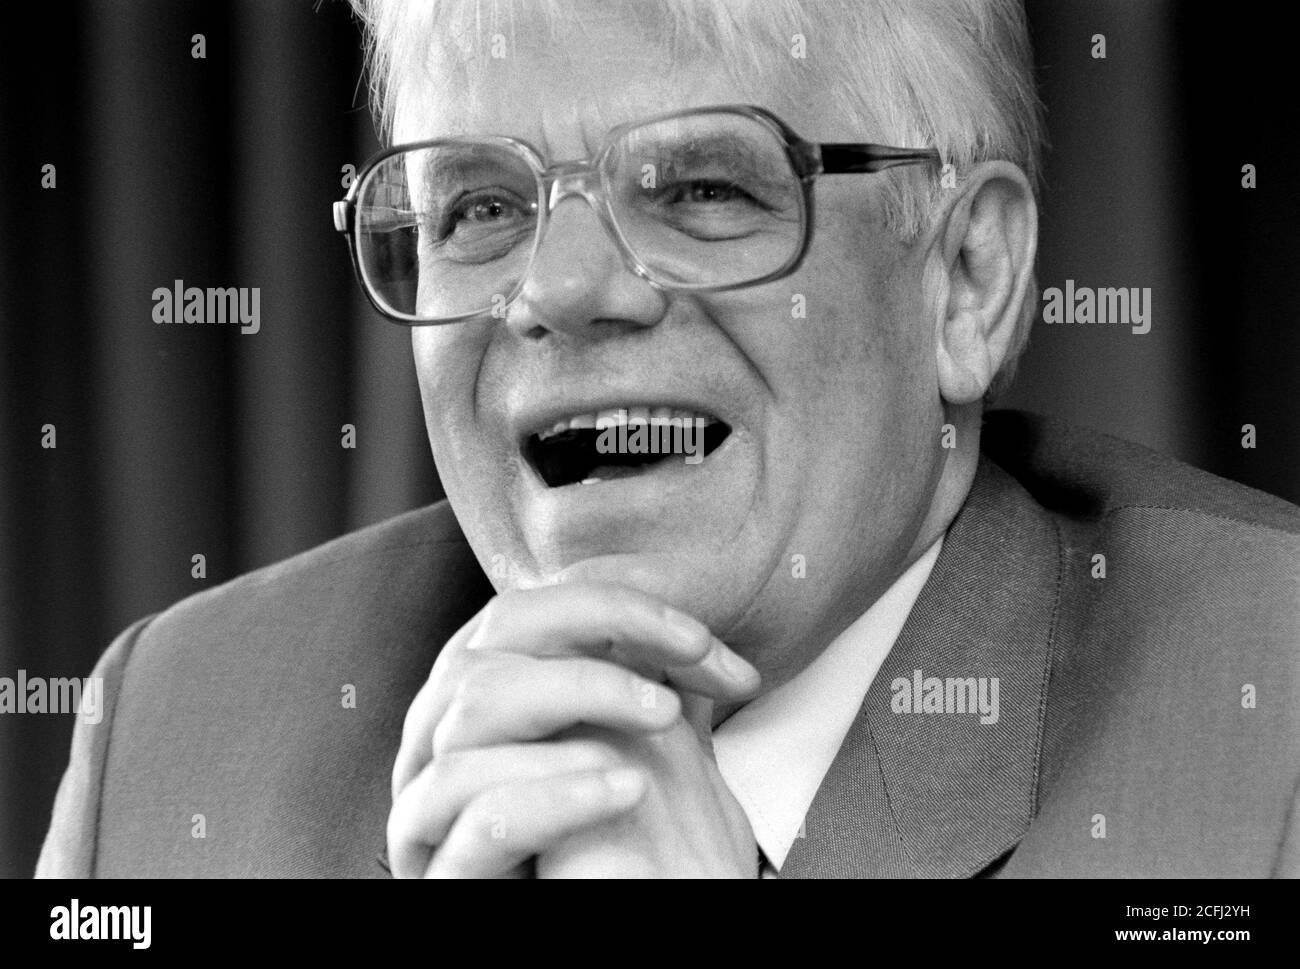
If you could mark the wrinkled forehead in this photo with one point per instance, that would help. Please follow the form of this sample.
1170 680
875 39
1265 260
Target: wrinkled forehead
529 68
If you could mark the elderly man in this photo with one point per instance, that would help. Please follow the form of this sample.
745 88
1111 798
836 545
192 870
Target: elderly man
706 301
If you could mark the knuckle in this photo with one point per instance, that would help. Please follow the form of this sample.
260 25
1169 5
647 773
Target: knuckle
466 667
416 715
444 734
421 706
404 839
473 694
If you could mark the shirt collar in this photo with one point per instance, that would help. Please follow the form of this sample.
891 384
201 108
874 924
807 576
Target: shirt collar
774 752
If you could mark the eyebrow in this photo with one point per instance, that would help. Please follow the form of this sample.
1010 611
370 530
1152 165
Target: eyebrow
692 150
734 155
452 163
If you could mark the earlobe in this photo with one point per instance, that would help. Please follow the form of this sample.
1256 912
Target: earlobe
985 254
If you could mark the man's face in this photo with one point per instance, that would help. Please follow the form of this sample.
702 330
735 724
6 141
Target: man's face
811 505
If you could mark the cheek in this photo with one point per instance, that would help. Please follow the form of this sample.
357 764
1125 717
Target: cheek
446 364
860 374
875 339
860 341
433 348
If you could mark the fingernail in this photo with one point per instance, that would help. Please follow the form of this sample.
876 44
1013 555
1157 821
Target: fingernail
735 665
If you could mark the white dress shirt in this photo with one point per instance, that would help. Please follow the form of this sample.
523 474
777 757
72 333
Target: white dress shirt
774 751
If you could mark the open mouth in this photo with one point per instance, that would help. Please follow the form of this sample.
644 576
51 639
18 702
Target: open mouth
610 444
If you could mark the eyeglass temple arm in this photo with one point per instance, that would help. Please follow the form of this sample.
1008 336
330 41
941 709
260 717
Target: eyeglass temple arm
841 159
345 209
345 213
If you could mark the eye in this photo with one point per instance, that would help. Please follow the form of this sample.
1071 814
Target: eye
478 226
488 209
708 191
482 210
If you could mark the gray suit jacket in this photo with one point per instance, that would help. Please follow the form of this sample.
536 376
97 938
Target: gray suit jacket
1126 744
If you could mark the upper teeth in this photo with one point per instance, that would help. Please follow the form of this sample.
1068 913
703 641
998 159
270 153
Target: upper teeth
613 417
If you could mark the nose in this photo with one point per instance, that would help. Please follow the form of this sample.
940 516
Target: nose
579 284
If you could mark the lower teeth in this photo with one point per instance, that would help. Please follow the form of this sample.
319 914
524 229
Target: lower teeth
608 472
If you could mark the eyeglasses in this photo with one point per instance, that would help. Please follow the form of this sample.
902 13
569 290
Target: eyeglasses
702 200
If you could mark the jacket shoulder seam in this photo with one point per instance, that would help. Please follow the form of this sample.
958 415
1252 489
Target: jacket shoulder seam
1201 513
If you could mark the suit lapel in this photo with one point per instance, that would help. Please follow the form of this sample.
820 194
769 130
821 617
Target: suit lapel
940 793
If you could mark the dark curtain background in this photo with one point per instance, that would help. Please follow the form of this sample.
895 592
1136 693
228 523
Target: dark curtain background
175 440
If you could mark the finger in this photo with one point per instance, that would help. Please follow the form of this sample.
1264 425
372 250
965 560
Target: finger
532 699
625 624
629 626
698 712
428 707
424 813
509 824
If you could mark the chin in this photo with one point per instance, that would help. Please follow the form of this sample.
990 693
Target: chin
688 532
708 590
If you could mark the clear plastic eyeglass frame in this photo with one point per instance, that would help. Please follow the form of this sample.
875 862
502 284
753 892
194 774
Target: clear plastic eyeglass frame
584 179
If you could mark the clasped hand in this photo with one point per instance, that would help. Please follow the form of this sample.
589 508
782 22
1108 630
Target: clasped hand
564 731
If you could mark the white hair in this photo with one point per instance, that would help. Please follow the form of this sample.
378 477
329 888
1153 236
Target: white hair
956 75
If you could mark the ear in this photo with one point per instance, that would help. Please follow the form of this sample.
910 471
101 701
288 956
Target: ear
982 263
